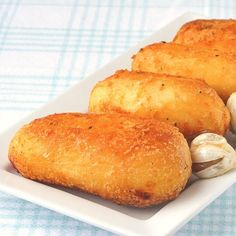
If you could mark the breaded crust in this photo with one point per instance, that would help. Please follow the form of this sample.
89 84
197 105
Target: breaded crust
217 69
206 30
131 161
189 104
224 46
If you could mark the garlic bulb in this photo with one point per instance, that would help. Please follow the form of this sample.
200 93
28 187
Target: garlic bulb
212 155
231 105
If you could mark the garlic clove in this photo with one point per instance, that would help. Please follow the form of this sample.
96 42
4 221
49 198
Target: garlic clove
206 153
212 155
218 169
210 138
231 105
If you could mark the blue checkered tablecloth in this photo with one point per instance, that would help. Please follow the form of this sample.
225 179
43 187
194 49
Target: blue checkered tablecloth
47 46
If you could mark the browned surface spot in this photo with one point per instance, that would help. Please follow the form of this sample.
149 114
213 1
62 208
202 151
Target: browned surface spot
143 195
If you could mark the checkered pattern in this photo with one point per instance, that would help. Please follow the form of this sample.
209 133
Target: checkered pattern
47 46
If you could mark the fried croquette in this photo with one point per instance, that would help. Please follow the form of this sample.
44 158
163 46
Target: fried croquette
206 30
189 104
129 160
217 69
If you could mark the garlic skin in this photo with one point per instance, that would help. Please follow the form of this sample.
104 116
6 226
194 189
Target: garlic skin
231 105
210 147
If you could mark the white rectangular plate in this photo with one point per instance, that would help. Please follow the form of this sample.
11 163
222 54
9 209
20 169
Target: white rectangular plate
159 220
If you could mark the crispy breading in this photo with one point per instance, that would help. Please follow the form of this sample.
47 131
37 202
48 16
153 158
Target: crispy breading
131 161
225 46
189 104
218 69
206 30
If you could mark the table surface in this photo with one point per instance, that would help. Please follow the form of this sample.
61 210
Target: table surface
47 46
